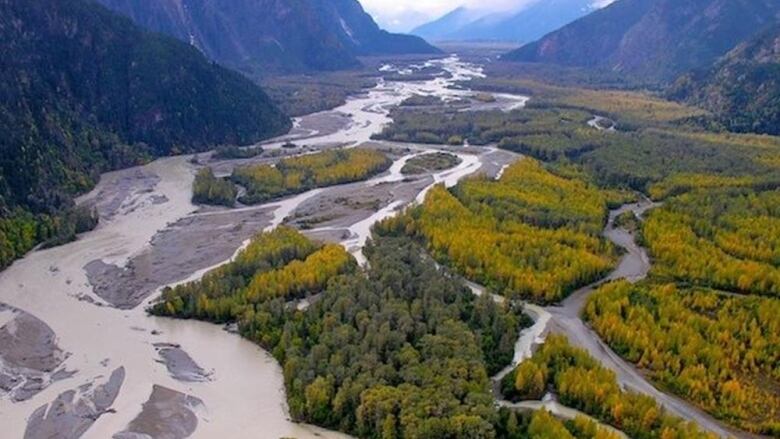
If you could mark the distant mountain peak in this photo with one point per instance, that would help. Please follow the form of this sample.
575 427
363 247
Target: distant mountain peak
454 19
520 24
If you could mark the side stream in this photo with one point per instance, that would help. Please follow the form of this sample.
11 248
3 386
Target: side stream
565 318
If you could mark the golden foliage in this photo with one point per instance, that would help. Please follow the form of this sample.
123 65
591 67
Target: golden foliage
281 263
759 141
298 277
582 383
531 234
629 105
728 240
681 183
718 350
545 426
626 106
301 173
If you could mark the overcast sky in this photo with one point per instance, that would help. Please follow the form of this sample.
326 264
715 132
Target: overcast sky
402 15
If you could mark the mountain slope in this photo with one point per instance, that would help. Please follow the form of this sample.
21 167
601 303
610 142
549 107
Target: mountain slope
653 39
743 88
528 24
83 90
440 28
362 35
262 36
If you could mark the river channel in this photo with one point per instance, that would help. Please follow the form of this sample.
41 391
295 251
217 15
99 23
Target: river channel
79 356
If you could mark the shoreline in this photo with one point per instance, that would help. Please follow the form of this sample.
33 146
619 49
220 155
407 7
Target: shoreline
147 212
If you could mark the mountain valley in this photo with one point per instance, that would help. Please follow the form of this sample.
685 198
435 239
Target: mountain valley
274 219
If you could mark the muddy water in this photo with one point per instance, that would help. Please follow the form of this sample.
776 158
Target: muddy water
244 391
246 383
369 112
528 339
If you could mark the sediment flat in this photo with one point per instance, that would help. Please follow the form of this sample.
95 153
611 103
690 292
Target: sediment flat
30 359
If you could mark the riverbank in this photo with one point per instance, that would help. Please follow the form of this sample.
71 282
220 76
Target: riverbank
91 293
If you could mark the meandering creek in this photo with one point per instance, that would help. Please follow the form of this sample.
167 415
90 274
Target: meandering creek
565 319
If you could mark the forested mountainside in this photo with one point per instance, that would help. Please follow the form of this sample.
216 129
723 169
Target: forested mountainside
259 37
653 39
83 90
526 25
743 88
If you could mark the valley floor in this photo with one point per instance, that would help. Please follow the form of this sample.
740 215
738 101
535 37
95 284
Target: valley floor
102 367
89 296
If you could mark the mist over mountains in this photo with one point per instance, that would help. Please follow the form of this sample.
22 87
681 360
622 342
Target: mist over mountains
525 24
